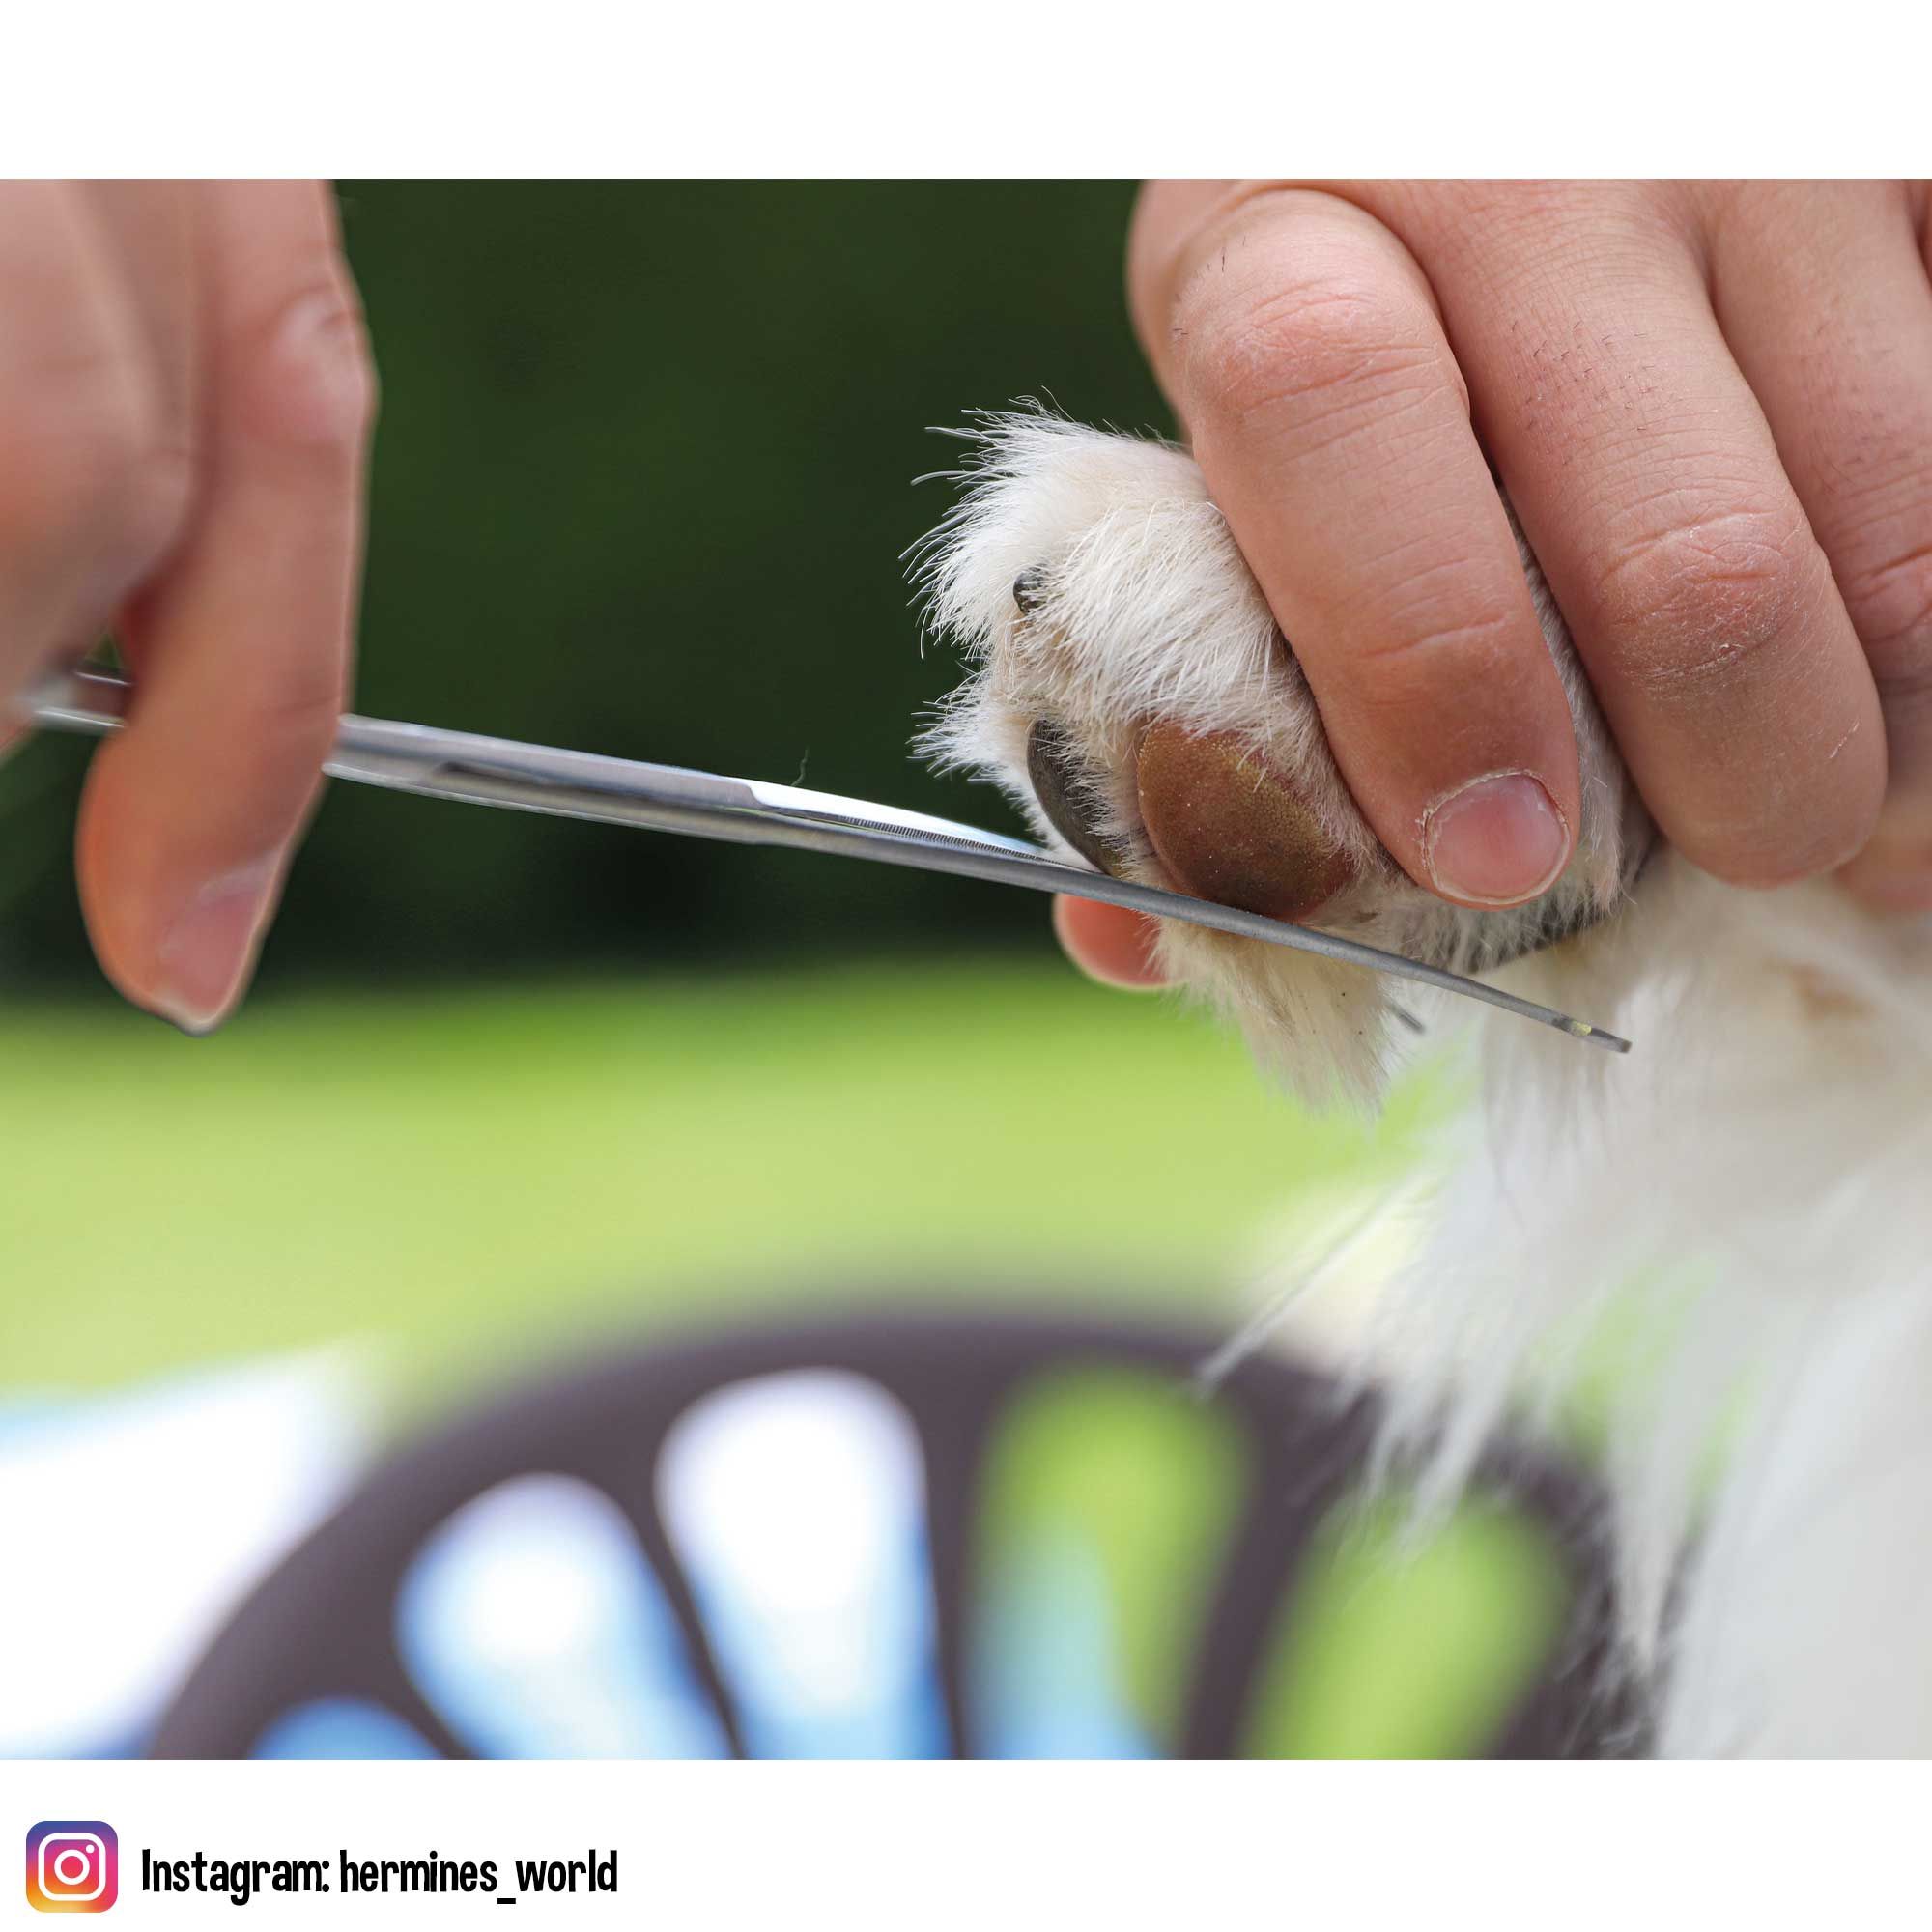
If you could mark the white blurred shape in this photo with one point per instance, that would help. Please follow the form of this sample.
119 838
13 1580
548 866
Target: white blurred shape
533 1624
797 1504
138 1521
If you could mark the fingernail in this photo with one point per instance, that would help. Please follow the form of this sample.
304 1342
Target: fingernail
1495 841
206 951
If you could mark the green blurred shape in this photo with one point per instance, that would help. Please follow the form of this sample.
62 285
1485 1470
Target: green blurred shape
1109 1496
1404 1645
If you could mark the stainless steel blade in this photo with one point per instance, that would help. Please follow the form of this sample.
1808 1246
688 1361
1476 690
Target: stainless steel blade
479 770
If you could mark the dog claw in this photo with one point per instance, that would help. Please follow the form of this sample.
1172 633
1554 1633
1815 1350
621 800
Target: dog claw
1065 794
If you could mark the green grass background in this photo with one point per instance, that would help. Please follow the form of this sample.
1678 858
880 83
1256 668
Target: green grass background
472 1178
470 1183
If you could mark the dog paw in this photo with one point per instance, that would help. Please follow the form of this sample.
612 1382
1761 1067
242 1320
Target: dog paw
1132 691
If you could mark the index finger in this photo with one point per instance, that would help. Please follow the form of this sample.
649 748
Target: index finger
1301 344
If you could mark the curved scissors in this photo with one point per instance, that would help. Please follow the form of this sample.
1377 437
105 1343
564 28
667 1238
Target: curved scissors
481 770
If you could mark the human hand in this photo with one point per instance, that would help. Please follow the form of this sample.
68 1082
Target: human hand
186 397
1712 408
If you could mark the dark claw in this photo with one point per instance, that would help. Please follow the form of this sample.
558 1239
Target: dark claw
1060 785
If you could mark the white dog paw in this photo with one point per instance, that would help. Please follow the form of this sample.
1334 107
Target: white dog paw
1132 693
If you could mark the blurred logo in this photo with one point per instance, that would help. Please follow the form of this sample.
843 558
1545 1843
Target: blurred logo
73 1864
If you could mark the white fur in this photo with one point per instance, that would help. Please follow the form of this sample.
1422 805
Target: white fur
1721 1246
1148 612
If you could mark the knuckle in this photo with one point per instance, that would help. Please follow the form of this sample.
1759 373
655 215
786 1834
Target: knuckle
303 374
1691 603
1328 342
1434 646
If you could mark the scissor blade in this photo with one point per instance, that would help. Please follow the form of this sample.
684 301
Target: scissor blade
479 770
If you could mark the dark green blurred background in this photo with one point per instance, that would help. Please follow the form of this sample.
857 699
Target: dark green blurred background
643 481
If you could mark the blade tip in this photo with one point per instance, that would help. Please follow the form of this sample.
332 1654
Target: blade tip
1610 1042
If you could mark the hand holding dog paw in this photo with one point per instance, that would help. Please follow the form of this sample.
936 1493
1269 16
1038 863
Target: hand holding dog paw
1712 409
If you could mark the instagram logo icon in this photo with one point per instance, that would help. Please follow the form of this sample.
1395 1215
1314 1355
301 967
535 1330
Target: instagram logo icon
72 1865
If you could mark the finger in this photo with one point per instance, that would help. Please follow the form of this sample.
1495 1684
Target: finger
1825 302
85 505
1302 348
1651 491
1108 942
146 229
241 649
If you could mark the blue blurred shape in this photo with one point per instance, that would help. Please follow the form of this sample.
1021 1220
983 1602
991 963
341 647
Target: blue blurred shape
1047 1680
532 1623
796 1504
341 1727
